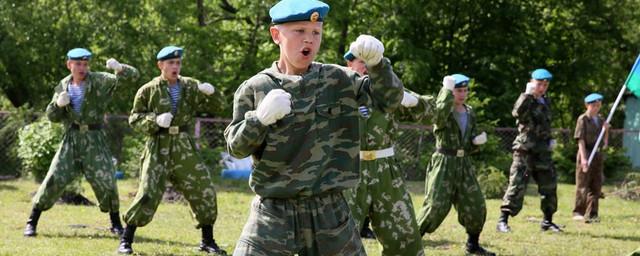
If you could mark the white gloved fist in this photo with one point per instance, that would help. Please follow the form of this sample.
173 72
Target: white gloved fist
480 139
206 88
63 99
530 88
408 100
552 144
448 82
274 106
114 64
164 120
367 48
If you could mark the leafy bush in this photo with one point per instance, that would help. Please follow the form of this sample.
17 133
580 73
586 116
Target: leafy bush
491 163
630 188
37 145
492 181
129 163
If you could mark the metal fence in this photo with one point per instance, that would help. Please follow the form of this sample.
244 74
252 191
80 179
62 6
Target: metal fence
412 141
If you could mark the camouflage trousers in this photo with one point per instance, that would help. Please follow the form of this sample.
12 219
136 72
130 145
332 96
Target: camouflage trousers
382 196
452 181
588 186
318 225
538 165
173 158
80 153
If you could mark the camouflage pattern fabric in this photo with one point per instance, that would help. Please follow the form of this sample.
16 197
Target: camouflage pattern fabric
318 225
314 150
84 151
381 193
451 180
531 156
170 157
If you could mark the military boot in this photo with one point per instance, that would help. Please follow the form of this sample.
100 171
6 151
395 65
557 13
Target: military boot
503 225
474 248
126 240
32 223
116 225
208 244
547 224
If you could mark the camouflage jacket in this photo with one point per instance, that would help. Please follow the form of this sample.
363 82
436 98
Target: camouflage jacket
446 129
99 90
314 149
153 99
534 123
379 129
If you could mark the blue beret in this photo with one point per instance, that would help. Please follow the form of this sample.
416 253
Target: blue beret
79 54
349 56
461 80
541 74
298 10
170 52
592 98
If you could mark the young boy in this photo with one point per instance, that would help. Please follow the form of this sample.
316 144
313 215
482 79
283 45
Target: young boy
299 121
589 178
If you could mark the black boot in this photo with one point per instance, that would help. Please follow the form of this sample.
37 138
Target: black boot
366 232
208 244
547 224
32 223
116 226
474 248
503 225
126 240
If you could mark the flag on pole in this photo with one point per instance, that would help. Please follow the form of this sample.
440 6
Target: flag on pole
633 82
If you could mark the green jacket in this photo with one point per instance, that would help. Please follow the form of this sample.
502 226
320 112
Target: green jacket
100 87
153 99
314 149
534 123
446 129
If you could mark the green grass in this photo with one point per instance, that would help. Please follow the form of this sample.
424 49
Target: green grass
81 230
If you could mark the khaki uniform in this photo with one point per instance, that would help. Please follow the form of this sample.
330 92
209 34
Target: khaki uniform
589 184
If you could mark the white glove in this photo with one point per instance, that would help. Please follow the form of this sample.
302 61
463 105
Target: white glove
164 120
480 139
114 64
367 48
63 99
552 144
206 88
408 100
530 88
274 106
448 82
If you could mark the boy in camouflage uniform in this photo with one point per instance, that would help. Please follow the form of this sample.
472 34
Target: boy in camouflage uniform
381 194
451 178
589 178
299 121
163 110
80 102
532 151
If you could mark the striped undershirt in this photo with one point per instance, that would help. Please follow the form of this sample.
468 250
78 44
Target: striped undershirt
76 94
174 93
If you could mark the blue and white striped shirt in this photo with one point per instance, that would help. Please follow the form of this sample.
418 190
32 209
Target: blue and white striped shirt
76 94
174 93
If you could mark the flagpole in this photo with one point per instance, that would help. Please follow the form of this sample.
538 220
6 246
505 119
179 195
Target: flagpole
613 110
602 131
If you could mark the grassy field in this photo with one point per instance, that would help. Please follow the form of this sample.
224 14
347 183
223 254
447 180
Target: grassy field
81 230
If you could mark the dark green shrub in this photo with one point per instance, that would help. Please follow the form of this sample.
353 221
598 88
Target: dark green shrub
133 145
38 143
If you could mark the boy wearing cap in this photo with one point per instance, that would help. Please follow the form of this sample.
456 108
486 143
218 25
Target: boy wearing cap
589 178
163 109
381 194
80 102
532 151
299 121
451 178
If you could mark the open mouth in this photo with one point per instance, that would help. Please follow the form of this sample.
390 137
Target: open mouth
306 52
174 73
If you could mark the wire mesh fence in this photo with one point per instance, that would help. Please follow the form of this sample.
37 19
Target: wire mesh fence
412 141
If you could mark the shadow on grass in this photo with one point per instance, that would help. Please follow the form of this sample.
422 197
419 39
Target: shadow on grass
617 237
116 240
7 187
